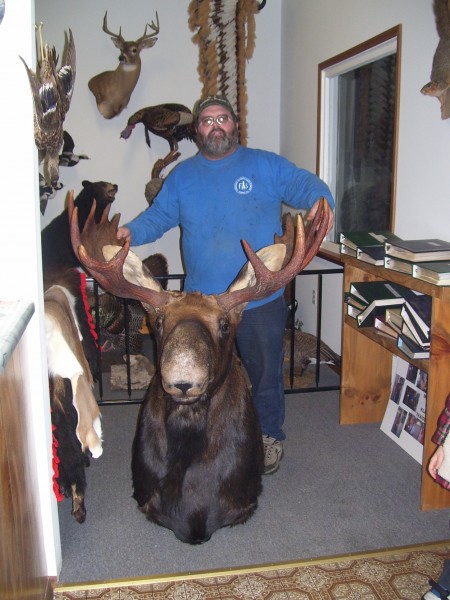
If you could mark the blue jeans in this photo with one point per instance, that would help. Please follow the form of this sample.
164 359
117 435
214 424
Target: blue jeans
444 578
260 345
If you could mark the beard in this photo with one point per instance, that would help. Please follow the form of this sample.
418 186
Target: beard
217 145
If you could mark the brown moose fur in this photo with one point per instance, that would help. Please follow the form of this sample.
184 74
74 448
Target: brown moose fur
197 455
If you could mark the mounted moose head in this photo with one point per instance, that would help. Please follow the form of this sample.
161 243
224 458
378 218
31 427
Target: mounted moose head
197 454
113 89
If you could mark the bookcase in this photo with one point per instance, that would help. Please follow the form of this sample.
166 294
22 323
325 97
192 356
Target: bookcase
367 361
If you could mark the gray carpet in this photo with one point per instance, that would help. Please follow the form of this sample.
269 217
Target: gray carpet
340 489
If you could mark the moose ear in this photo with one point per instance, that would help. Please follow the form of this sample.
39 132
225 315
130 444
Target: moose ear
133 269
273 258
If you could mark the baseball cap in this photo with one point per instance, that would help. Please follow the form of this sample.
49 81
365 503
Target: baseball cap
203 103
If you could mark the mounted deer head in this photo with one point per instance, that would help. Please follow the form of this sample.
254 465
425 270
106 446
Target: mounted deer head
113 89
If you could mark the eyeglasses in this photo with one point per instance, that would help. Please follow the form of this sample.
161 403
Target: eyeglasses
220 120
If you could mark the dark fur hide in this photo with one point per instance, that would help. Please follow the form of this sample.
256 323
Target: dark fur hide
57 249
73 461
197 465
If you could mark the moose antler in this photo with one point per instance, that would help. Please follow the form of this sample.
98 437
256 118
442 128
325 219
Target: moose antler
97 243
305 248
122 273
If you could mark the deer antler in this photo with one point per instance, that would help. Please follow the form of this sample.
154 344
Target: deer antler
98 241
266 281
152 25
117 36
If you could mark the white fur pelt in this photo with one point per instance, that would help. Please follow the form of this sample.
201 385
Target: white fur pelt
66 358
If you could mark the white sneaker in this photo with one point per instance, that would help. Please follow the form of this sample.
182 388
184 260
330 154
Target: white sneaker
429 596
435 594
273 453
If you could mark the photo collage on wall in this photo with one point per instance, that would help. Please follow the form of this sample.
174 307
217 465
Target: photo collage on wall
404 419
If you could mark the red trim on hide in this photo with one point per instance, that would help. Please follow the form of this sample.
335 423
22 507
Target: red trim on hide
55 465
87 308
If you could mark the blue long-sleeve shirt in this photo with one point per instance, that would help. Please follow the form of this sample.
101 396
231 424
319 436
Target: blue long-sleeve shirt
218 203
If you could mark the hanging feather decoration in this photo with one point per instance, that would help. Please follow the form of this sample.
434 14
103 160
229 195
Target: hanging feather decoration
225 34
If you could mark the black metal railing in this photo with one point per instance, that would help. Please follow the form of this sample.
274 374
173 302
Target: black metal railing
319 273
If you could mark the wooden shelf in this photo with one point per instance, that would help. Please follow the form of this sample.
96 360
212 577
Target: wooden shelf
367 364
387 342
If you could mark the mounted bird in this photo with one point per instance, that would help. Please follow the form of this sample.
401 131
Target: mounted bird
68 158
52 91
173 122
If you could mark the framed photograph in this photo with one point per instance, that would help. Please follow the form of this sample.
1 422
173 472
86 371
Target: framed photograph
404 419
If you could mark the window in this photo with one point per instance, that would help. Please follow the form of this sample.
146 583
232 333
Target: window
357 132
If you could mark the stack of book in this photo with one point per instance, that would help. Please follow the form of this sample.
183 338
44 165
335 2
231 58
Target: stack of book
427 259
394 310
366 246
414 339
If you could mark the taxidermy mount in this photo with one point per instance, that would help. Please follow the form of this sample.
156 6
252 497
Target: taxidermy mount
113 89
52 91
173 122
440 71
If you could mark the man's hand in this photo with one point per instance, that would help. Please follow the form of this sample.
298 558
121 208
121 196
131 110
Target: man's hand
328 212
123 233
436 461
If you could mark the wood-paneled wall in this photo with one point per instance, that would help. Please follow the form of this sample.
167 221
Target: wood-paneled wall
22 569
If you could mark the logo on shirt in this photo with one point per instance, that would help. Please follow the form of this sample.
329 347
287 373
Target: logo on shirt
243 185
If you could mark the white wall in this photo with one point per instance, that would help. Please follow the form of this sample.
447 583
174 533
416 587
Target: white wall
169 74
313 32
316 31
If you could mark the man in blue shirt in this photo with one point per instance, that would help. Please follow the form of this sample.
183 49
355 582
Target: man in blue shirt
220 196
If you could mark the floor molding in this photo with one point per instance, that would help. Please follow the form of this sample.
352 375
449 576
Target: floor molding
404 560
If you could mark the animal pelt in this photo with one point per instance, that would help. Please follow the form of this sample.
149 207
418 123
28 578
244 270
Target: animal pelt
440 71
305 349
66 360
73 283
71 480
198 467
141 373
57 249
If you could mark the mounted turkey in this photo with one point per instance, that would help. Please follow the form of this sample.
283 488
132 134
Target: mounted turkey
173 122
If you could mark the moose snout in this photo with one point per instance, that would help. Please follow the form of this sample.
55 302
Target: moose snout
185 364
184 392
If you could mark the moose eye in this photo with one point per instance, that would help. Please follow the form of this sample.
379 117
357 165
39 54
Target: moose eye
224 326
